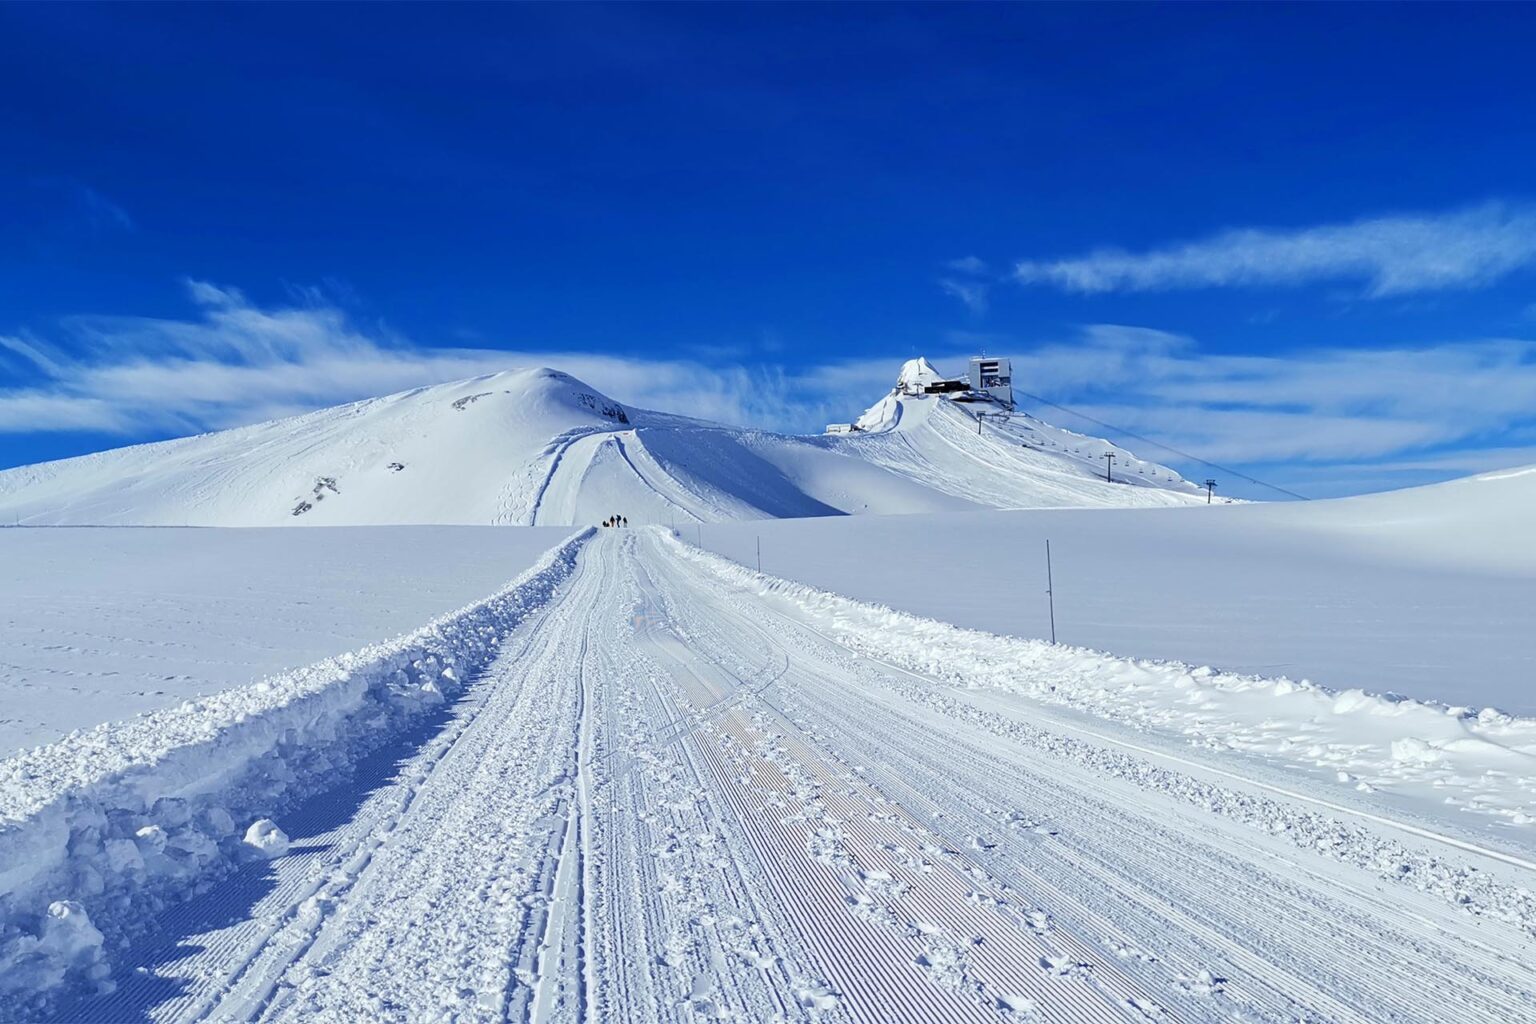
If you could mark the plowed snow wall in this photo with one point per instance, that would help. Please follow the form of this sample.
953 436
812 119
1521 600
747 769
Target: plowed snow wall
103 828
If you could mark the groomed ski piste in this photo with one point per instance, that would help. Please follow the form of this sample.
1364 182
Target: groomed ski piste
647 783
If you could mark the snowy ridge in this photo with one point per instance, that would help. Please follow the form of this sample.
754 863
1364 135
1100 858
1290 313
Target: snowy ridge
1429 753
538 446
115 822
450 453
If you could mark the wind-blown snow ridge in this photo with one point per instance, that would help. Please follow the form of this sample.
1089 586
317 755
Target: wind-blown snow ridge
541 447
110 823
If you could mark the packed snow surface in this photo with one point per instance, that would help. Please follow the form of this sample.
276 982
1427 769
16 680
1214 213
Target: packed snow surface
646 782
101 624
135 817
1429 592
541 447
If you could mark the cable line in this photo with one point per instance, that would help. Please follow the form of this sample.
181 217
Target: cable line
1165 447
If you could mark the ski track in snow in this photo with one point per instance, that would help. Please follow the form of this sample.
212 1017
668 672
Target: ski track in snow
509 505
668 800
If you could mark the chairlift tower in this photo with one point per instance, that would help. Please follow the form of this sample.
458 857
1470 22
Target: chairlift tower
1004 416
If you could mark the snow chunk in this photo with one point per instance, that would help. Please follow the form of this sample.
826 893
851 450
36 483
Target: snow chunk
69 932
1016 1006
218 822
266 838
816 995
1412 750
68 942
1351 701
151 839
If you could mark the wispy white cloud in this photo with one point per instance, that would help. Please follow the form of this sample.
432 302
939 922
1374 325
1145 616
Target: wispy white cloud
1391 255
1320 417
969 280
968 265
1311 407
27 352
39 410
101 211
236 362
972 293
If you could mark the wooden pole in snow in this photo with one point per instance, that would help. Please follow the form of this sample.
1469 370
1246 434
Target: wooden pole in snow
1050 590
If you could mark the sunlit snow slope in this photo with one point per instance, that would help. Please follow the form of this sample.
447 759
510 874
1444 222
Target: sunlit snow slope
1004 459
1427 592
541 447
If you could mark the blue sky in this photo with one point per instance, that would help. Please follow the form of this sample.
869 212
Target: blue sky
1297 240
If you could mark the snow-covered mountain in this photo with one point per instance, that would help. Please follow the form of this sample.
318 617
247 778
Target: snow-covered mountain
1001 458
538 446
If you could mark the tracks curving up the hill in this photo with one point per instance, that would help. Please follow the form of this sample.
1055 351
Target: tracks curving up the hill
667 801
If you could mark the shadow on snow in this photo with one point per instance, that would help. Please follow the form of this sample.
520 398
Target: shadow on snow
174 933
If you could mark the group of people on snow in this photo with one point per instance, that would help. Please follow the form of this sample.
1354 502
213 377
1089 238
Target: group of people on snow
616 520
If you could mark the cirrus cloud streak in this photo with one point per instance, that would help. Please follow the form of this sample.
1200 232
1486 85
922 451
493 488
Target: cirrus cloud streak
1324 416
1392 255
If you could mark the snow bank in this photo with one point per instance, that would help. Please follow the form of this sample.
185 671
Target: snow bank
101 829
1461 759
1307 589
100 624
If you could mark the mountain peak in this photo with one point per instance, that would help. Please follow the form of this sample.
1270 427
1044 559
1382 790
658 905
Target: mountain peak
536 445
916 374
530 388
